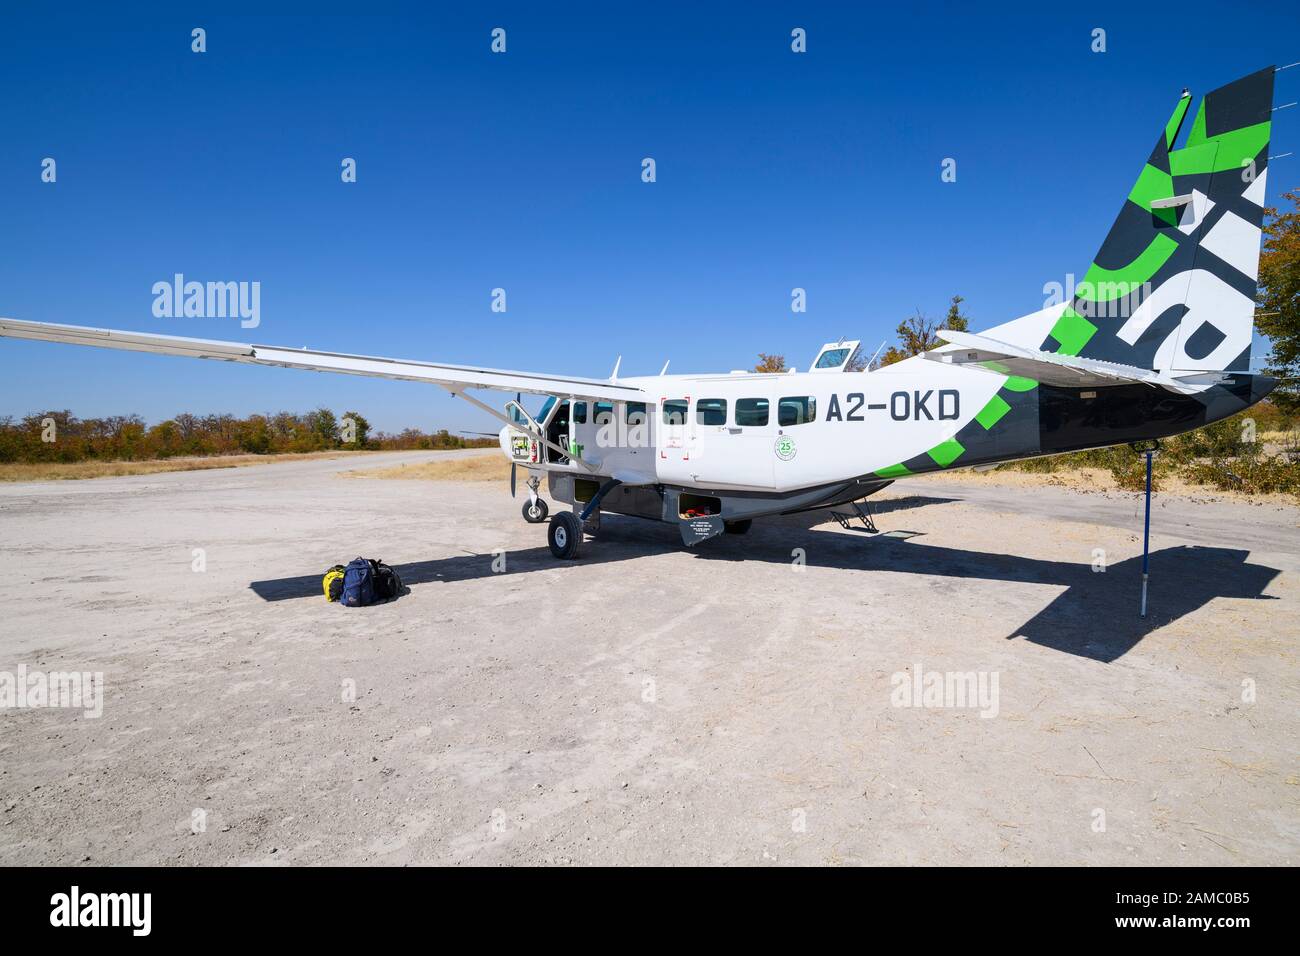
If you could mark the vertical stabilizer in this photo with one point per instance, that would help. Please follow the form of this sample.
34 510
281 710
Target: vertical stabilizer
1173 285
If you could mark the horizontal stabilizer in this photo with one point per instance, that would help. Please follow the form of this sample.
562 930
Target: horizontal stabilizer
1054 368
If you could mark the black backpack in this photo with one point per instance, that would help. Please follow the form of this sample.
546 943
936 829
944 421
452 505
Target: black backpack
387 583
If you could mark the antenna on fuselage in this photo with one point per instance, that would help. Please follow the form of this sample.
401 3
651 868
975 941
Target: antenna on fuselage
877 355
664 370
613 376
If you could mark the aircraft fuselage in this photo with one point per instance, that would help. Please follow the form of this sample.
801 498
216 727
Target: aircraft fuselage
785 432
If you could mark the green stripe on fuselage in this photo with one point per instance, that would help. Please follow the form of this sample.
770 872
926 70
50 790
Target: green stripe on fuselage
1018 383
992 413
893 471
947 452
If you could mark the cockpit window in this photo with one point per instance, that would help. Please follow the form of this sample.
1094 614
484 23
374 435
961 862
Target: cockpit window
832 358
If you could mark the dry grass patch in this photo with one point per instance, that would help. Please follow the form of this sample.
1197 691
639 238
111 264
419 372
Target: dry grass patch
77 470
1079 479
487 467
1102 480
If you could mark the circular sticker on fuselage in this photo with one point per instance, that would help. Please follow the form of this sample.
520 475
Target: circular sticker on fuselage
784 448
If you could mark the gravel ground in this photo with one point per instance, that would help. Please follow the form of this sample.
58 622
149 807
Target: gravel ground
746 702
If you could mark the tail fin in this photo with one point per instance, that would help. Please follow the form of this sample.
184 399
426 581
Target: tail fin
1173 286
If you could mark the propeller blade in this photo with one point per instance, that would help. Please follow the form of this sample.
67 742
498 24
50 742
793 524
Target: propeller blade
513 467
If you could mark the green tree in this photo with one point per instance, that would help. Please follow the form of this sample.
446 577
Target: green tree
917 333
1278 315
956 320
255 435
324 428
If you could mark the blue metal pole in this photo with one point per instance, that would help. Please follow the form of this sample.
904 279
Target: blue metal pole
1146 539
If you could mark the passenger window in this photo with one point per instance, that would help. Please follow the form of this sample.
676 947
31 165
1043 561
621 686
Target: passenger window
634 413
751 412
580 413
602 412
796 411
675 411
711 411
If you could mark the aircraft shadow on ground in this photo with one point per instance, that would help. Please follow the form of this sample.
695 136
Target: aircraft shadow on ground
1095 616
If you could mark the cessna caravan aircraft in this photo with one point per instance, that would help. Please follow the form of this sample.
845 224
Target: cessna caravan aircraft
1154 341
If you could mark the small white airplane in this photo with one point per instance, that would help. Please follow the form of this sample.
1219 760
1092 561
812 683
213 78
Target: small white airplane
1154 342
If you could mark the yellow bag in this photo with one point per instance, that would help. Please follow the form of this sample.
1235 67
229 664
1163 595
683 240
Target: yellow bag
333 583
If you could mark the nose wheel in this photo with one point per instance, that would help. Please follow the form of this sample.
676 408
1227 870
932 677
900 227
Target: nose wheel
535 511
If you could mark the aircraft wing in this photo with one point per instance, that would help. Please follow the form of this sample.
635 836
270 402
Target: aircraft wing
449 376
1051 368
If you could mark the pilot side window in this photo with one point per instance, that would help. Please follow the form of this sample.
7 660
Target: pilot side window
675 411
798 410
711 411
580 413
751 412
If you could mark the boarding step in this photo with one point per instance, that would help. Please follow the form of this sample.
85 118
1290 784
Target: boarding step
861 512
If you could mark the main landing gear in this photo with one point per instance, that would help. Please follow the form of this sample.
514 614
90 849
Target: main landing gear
566 530
565 535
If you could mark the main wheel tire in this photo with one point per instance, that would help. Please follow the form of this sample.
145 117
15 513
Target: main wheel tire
565 535
535 512
737 527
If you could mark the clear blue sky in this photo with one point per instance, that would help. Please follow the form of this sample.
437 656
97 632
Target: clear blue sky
522 171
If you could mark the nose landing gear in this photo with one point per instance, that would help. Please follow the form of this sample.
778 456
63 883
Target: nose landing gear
535 509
